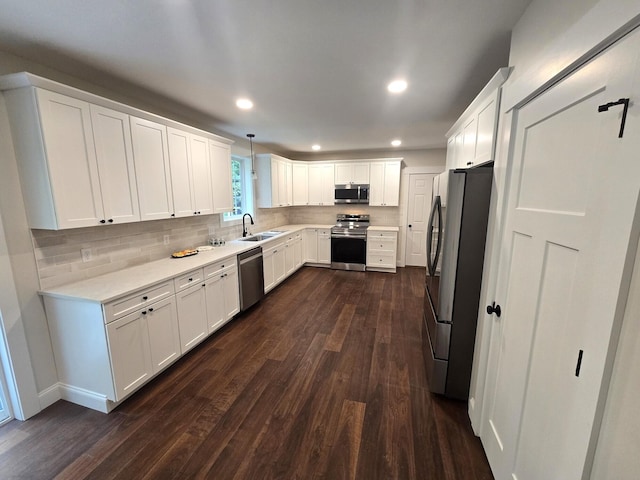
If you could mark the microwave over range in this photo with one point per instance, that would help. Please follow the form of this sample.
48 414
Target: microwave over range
352 193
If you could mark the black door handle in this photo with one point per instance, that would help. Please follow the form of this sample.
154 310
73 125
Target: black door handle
493 308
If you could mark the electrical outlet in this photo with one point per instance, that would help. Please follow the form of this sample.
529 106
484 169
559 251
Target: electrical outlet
86 254
166 239
212 231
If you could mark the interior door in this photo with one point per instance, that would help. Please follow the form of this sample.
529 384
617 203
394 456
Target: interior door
420 187
567 253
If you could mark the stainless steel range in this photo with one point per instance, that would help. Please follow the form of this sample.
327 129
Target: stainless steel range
349 242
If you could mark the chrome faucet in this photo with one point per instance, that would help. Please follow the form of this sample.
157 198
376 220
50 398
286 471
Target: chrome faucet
244 229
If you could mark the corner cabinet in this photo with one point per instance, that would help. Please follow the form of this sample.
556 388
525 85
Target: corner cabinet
384 185
472 139
85 160
275 181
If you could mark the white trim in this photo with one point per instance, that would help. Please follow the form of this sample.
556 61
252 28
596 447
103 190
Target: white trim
86 398
601 27
425 169
14 350
49 396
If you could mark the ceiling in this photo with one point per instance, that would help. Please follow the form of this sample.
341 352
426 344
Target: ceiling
316 70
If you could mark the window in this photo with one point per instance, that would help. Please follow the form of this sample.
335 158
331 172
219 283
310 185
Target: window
241 186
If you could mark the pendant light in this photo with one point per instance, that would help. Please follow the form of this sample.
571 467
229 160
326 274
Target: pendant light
254 175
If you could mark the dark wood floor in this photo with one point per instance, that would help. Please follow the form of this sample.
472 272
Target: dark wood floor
323 380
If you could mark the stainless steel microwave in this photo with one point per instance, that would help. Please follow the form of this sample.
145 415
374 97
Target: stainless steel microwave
352 193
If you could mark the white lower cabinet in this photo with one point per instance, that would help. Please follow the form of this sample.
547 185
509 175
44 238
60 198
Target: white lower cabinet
381 250
222 294
317 245
130 353
274 263
164 334
192 310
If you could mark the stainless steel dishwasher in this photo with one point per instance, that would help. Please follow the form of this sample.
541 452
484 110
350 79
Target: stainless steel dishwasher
250 277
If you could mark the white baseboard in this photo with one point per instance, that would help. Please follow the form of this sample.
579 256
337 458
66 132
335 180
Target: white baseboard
85 398
49 396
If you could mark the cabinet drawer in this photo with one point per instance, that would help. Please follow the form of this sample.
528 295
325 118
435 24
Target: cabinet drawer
215 268
125 305
188 279
381 244
381 260
379 234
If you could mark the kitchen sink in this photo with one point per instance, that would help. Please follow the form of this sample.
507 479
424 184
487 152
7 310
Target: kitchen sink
261 236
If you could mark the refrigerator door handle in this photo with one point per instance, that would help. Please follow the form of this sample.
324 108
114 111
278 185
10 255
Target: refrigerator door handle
436 211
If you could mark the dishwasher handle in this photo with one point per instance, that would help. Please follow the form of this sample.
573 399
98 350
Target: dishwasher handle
249 259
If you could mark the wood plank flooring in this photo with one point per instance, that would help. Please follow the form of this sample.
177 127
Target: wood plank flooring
324 379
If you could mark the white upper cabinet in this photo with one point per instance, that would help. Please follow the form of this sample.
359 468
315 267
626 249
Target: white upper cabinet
472 139
153 173
275 178
384 185
321 184
190 173
85 160
300 183
220 156
114 153
350 173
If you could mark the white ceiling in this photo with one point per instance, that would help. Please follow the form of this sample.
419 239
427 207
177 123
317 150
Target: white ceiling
316 70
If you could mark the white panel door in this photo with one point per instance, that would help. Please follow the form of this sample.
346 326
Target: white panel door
214 292
420 186
164 336
179 159
71 159
192 316
231 292
570 238
112 136
201 175
220 155
153 174
300 181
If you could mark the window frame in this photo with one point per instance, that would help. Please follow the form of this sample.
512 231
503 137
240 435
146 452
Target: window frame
226 219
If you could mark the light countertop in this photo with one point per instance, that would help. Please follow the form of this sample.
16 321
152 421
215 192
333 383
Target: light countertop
108 287
384 229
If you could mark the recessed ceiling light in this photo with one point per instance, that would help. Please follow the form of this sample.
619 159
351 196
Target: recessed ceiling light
397 86
396 143
244 104
316 147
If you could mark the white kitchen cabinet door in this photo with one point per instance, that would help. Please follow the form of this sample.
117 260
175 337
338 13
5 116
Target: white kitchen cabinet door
220 155
231 292
201 175
192 316
384 187
297 251
153 173
268 269
130 353
311 245
223 296
300 184
324 246
487 126
289 258
570 237
321 184
116 170
352 173
469 135
70 160
279 264
164 334
179 160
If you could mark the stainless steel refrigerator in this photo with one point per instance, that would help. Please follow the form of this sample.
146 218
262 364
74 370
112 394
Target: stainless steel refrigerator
452 288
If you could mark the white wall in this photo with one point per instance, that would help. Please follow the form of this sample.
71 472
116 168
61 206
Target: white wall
551 38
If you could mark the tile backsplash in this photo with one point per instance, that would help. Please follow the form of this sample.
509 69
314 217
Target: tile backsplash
114 247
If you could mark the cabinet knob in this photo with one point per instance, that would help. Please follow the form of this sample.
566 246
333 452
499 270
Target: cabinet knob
103 221
145 298
144 312
204 284
173 214
151 309
191 279
410 225
195 213
111 220
493 308
469 163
